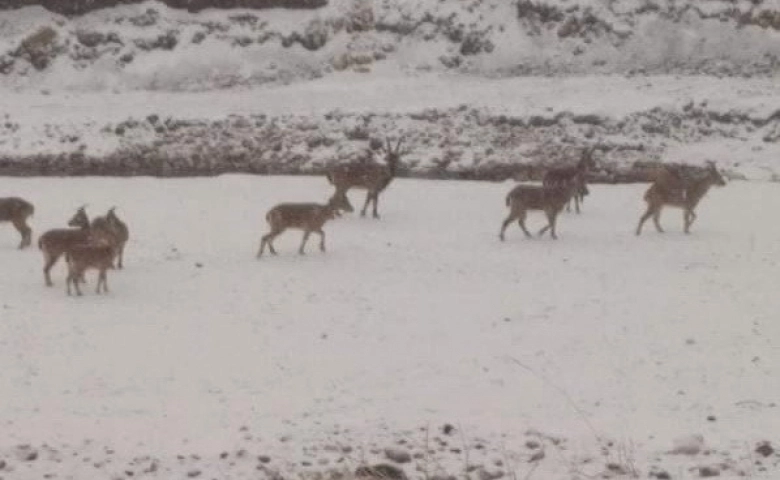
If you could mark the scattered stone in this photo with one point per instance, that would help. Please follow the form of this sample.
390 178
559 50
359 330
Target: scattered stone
617 468
263 458
688 445
708 471
660 475
198 37
381 471
153 466
447 429
444 477
194 473
536 456
398 455
711 418
484 474
765 449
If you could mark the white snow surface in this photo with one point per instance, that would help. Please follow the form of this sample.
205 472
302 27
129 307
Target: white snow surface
406 323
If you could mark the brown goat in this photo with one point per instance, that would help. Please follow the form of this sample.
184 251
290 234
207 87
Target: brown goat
575 174
116 230
17 210
309 217
674 190
82 257
53 243
370 176
549 199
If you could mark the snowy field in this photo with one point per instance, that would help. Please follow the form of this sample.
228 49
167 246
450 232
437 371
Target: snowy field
601 347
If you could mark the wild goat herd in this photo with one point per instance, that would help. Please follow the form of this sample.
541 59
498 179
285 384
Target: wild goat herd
100 243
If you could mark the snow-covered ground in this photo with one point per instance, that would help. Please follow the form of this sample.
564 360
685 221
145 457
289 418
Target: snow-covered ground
599 349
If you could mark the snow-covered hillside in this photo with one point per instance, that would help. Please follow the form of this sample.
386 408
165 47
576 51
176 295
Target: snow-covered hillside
595 354
488 89
151 46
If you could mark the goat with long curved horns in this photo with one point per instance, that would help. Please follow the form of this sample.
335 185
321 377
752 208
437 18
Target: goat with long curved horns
370 176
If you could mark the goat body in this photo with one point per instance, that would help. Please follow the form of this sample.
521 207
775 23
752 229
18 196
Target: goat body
309 217
17 210
371 176
85 256
113 230
550 200
675 190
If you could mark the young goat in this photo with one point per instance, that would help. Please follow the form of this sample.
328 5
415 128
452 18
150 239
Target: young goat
82 257
675 190
16 210
54 243
309 217
550 199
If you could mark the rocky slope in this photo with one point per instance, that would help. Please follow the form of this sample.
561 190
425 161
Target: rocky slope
153 46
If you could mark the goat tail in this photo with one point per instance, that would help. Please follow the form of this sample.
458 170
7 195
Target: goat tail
272 216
